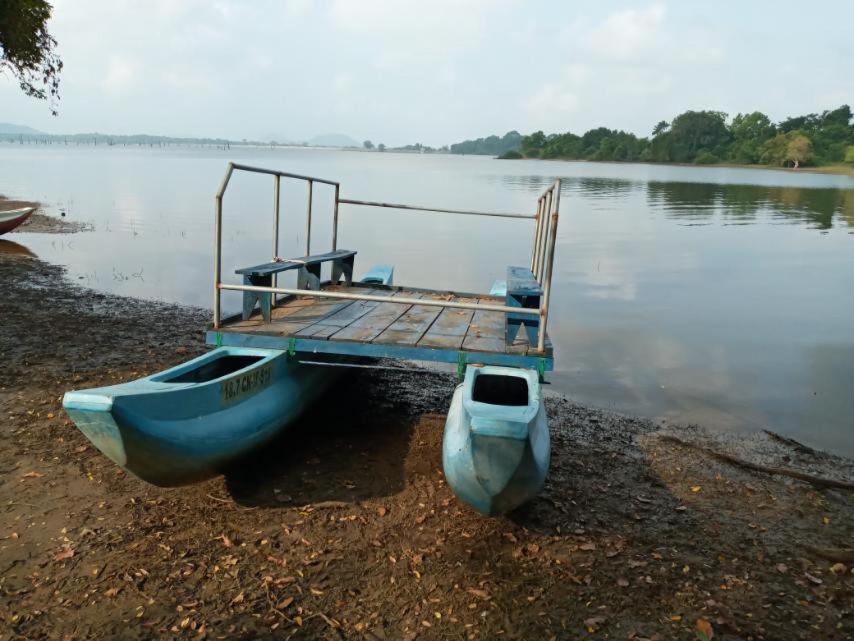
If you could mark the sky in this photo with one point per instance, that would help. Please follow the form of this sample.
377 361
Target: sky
433 71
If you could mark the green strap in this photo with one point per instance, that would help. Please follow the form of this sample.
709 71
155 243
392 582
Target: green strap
541 369
292 346
219 339
461 364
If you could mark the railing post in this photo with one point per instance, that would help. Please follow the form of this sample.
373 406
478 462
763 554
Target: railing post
217 260
217 316
544 233
335 219
276 200
547 281
308 219
537 232
547 284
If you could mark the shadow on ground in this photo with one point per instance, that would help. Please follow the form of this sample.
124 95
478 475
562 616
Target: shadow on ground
351 446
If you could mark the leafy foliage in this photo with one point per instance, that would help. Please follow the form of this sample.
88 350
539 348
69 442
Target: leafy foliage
492 145
701 137
28 50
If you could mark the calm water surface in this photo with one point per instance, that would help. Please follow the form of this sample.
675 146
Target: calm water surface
723 297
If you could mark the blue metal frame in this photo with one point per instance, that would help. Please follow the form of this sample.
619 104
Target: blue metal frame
295 344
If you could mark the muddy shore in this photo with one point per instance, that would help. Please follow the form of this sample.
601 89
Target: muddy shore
345 529
40 223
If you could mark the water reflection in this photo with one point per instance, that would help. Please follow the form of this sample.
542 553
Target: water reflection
818 208
699 202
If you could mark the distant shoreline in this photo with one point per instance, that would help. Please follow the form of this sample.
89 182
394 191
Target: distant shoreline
834 170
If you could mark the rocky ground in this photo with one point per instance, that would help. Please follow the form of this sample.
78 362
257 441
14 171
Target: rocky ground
345 529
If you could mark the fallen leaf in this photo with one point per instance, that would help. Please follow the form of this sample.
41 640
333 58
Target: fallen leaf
782 568
32 475
482 594
227 542
284 603
298 620
813 579
836 568
622 582
111 593
65 553
237 599
704 630
587 546
696 488
381 511
676 617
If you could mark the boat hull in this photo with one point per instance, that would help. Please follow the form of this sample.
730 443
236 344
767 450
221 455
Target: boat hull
496 456
169 430
11 219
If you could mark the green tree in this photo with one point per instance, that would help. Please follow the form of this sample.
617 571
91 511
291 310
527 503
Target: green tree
787 149
798 148
381 147
27 49
749 132
368 144
532 145
660 128
696 131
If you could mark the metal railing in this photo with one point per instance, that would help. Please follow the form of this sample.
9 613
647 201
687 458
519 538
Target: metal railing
542 254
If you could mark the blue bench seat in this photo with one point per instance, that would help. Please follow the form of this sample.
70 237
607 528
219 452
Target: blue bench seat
522 290
308 277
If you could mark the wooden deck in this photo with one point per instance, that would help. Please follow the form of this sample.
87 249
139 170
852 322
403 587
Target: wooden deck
394 330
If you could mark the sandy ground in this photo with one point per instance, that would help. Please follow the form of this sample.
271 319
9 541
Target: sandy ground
345 529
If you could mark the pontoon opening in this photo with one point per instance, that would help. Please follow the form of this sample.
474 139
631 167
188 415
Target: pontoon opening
500 390
214 369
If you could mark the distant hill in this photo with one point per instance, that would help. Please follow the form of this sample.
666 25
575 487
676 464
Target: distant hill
333 140
9 128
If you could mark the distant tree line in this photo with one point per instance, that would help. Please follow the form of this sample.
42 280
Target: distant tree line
701 137
492 145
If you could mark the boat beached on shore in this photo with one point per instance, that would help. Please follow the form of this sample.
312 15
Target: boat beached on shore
189 422
12 218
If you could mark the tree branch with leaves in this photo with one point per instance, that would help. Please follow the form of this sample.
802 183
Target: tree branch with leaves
28 51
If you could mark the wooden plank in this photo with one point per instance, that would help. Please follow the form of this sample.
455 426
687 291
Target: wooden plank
486 332
310 315
375 322
411 326
449 328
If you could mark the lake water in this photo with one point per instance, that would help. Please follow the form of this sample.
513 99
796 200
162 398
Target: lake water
723 297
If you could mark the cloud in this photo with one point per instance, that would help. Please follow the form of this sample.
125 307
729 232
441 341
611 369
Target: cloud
551 106
625 34
120 75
